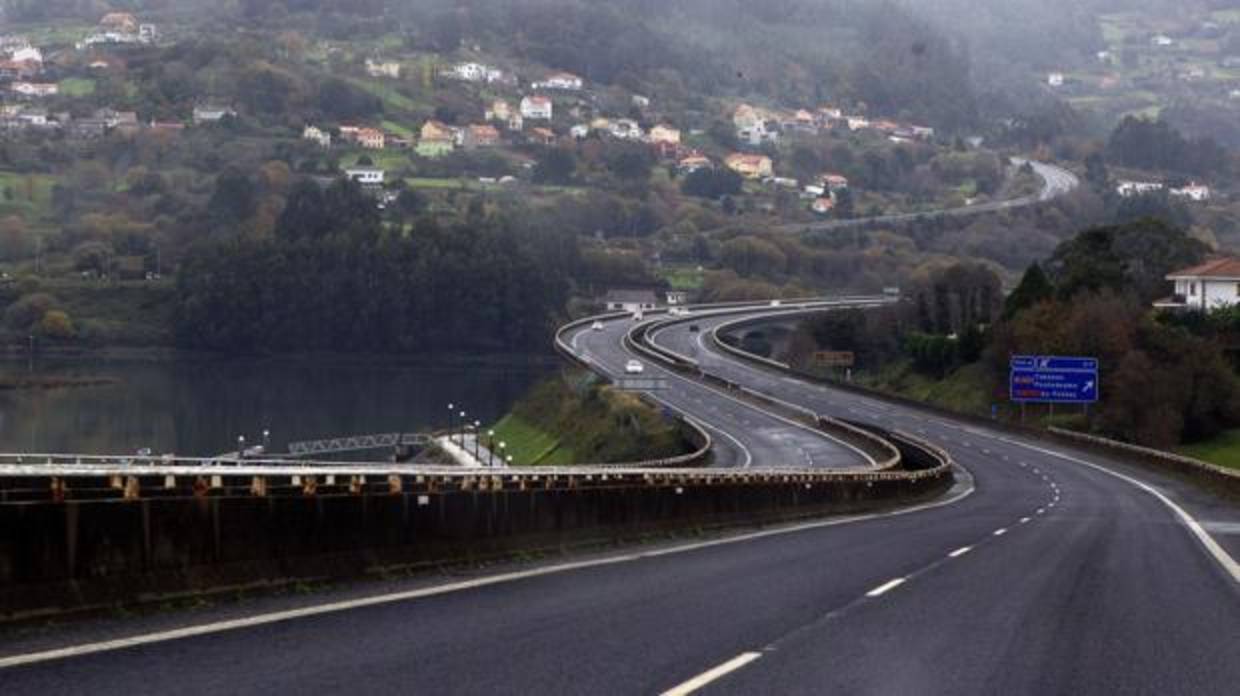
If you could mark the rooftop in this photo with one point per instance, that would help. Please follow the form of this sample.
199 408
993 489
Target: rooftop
1215 268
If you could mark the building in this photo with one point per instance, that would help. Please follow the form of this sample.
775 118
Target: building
692 163
822 206
516 122
480 136
27 54
371 138
1055 79
383 68
499 110
625 129
211 114
630 301
834 182
1211 285
35 89
320 137
436 140
664 134
1162 40
536 108
1128 189
641 102
366 176
119 21
580 131
542 136
470 72
562 81
1193 191
750 166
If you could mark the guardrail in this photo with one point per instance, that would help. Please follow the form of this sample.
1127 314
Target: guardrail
1220 479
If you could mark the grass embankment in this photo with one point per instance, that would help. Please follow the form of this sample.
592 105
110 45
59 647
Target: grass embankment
572 419
1223 450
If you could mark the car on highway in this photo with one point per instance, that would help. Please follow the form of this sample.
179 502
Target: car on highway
776 303
596 326
634 367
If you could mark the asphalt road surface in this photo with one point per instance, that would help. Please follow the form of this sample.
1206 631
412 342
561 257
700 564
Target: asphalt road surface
1043 571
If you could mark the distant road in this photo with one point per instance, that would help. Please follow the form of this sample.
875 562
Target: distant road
1056 181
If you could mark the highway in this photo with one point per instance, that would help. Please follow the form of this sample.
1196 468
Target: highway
1043 571
1056 182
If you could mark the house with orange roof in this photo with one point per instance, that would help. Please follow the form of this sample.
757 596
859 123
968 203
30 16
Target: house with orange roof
1214 284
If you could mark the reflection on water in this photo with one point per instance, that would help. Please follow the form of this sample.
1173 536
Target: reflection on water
198 408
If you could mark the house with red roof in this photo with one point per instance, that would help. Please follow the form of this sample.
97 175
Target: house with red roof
1211 285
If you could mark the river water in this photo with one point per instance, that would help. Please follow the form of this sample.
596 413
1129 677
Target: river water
200 407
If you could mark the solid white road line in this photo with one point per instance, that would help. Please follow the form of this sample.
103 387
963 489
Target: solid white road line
960 552
711 675
1229 564
885 588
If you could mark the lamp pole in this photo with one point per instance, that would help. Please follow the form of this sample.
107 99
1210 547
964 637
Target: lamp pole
266 441
240 447
463 424
477 437
451 410
491 448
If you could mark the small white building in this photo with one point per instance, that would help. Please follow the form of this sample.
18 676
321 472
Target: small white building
1194 191
630 300
1128 189
318 136
580 131
211 114
562 80
383 68
1211 285
366 176
1162 40
536 108
1055 79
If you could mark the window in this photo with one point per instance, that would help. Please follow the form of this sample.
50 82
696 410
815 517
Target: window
1192 289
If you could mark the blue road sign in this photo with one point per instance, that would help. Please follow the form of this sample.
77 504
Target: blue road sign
1053 379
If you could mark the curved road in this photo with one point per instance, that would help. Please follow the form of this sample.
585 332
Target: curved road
1056 181
1045 571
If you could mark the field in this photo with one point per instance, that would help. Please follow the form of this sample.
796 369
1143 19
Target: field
77 87
683 277
1223 450
27 195
528 444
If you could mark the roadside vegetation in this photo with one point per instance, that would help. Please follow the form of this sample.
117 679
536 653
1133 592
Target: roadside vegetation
574 419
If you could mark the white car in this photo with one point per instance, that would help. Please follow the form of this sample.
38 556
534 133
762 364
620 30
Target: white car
596 326
634 367
776 303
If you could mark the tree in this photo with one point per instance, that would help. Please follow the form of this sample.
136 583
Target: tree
1034 287
56 324
555 166
234 199
712 183
1096 174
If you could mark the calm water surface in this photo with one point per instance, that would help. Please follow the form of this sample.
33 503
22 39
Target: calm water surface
198 408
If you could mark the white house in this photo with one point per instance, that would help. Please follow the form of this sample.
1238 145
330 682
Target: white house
579 131
1210 285
1055 79
1162 40
1128 189
562 80
27 53
470 72
366 176
382 68
630 300
35 89
536 107
1193 192
316 135
625 129
211 114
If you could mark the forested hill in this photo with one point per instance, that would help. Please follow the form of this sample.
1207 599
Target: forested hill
874 53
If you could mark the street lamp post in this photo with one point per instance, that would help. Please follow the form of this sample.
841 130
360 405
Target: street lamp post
510 460
240 447
491 448
477 437
451 410
266 441
463 424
